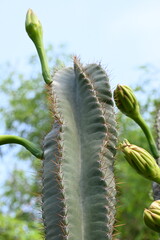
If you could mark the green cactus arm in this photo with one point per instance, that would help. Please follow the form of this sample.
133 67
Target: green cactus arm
141 122
31 147
78 178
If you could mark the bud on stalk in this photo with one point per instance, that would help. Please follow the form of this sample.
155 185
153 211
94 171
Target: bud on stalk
35 32
127 103
141 161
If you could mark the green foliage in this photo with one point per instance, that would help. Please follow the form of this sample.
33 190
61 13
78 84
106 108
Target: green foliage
25 98
17 192
25 230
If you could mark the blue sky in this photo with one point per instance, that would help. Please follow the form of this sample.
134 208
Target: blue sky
122 34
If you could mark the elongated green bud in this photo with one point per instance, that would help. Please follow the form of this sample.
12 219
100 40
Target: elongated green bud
141 161
35 32
126 101
151 216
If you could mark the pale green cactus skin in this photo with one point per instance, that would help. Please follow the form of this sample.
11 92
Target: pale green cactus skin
158 132
156 186
78 178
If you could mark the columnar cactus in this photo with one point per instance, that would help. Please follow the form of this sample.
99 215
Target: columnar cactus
79 187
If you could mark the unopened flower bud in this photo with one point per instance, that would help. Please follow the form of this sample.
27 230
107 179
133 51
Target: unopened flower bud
151 216
141 161
33 27
35 32
126 101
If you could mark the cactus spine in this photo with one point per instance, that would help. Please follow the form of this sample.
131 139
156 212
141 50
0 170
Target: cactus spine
79 187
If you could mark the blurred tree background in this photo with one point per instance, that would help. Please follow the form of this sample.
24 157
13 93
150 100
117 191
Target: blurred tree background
25 113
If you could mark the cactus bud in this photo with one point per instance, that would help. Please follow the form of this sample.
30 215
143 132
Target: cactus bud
141 161
126 101
33 27
152 216
35 32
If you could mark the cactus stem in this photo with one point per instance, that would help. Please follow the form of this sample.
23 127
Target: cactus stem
141 122
31 147
78 180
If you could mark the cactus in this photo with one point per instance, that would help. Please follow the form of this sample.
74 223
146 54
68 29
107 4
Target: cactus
79 189
79 193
